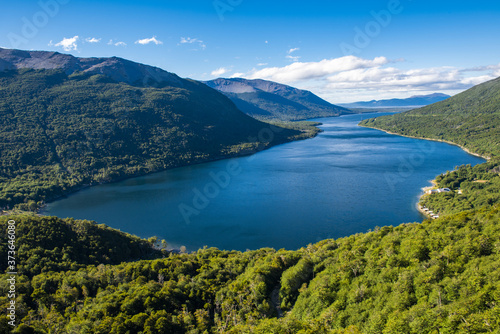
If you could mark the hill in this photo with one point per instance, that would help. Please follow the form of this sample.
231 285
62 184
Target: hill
470 119
436 277
414 101
47 244
66 123
270 100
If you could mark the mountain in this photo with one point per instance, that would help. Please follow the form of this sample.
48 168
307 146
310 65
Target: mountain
470 119
118 69
68 122
270 100
414 101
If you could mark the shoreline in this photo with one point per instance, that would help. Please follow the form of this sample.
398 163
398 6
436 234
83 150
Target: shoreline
426 215
425 189
434 183
307 134
431 139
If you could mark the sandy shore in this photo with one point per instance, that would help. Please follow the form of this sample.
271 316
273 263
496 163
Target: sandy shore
425 190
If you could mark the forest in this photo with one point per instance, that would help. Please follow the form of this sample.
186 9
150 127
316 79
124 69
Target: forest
435 277
60 133
471 188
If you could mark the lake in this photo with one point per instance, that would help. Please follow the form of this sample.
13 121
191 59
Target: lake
347 180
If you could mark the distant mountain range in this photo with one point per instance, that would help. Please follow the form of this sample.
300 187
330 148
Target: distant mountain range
270 100
414 101
67 122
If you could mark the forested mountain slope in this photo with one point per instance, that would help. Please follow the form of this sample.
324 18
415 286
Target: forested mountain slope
470 119
52 244
270 100
65 124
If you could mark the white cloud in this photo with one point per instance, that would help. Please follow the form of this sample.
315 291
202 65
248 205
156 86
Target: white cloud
262 64
351 78
315 70
68 44
146 41
293 58
92 40
237 75
440 78
189 40
220 71
119 43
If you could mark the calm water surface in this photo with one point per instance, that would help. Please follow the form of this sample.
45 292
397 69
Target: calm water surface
347 180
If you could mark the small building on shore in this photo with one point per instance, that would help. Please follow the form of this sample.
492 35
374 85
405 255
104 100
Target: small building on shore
440 190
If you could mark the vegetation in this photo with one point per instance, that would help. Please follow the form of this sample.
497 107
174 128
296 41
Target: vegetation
436 277
47 244
271 101
308 128
472 188
470 119
59 132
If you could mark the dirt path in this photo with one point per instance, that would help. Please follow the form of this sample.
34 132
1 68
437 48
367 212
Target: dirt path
275 300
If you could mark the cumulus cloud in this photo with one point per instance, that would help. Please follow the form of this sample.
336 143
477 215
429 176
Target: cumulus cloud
237 75
146 41
440 78
92 40
189 40
68 44
315 70
220 71
351 78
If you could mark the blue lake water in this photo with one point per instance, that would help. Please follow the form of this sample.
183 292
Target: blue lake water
347 180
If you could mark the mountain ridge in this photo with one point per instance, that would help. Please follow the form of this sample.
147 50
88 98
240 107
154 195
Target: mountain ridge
118 69
67 122
413 101
267 99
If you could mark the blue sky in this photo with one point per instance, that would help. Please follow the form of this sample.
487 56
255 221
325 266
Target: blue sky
343 51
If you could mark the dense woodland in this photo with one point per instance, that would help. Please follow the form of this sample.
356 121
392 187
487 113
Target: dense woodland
59 132
471 188
436 277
